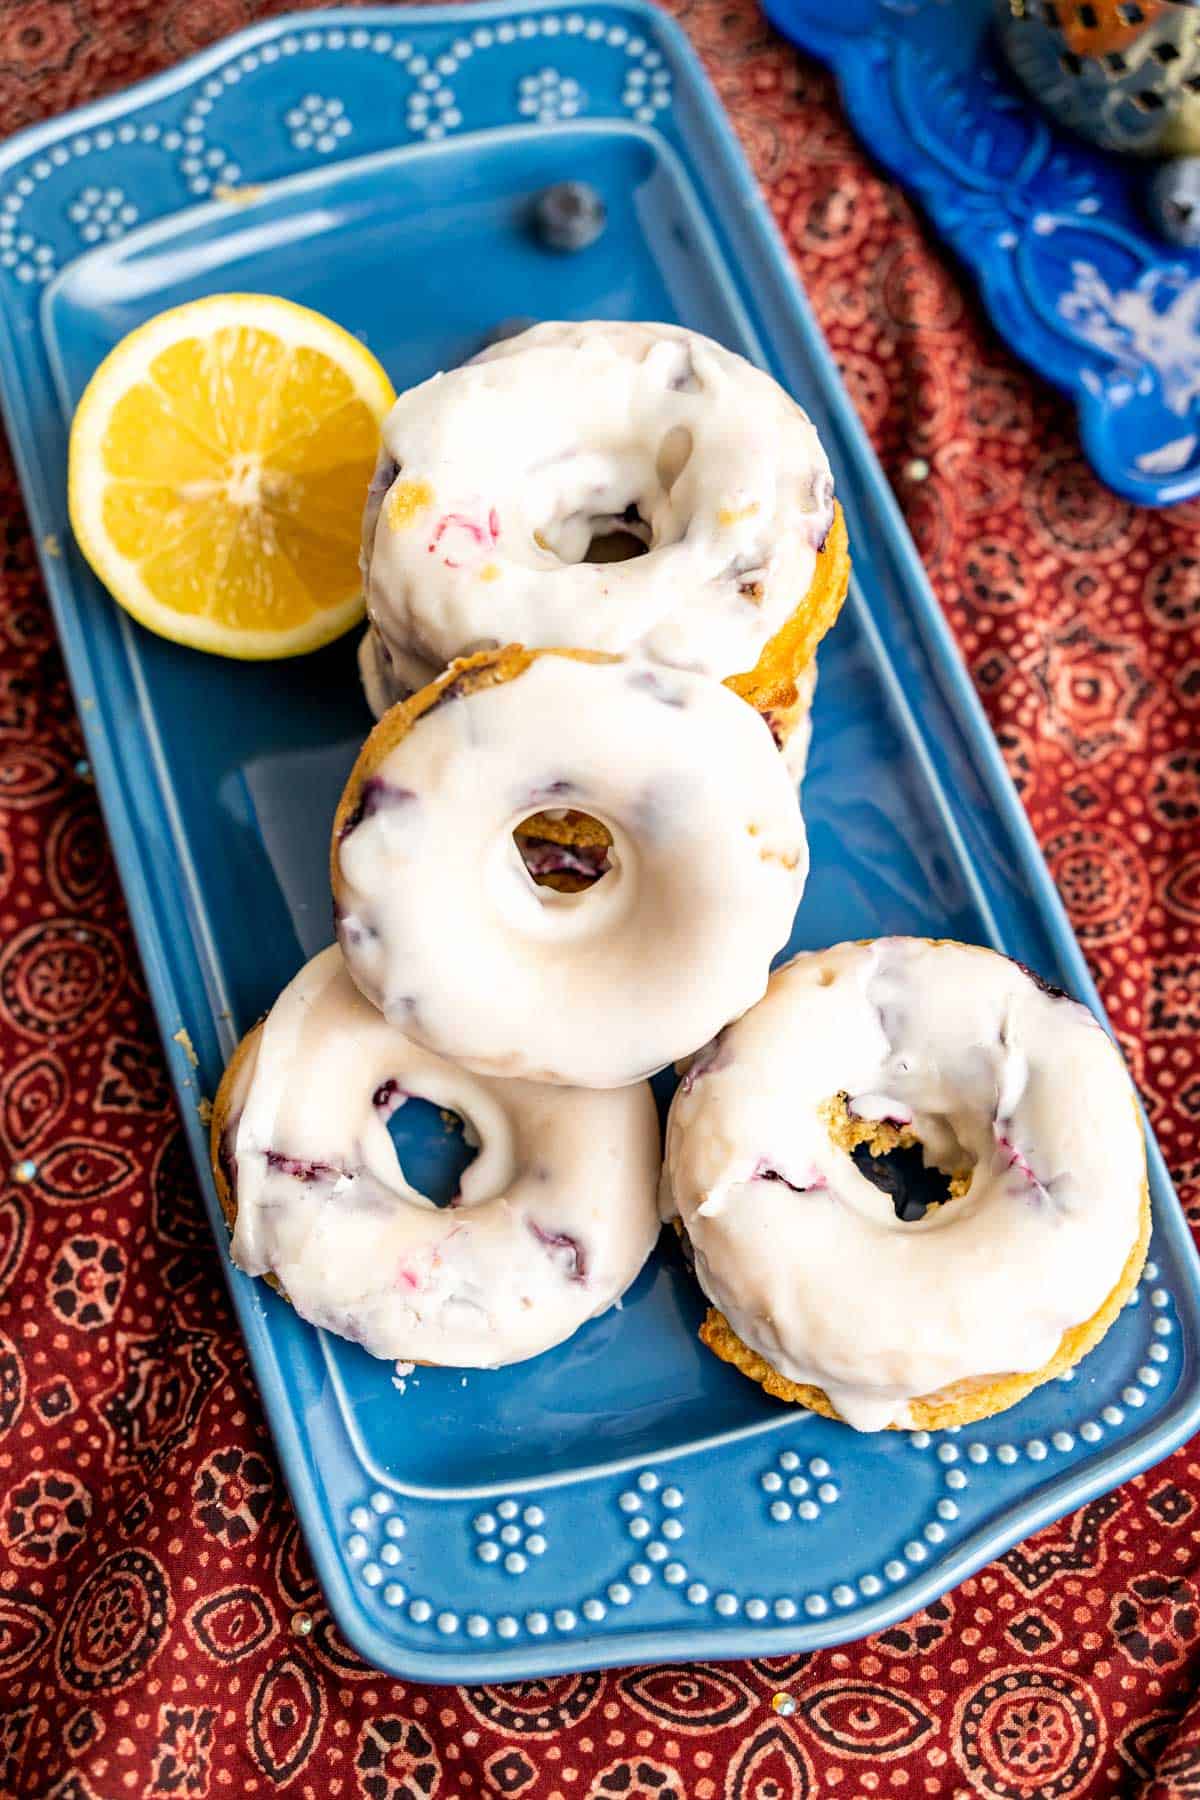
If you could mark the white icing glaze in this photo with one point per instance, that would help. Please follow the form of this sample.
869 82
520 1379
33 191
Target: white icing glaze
826 1283
446 931
557 1211
506 468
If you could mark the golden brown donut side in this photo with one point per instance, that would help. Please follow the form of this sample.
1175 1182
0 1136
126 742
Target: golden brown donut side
771 685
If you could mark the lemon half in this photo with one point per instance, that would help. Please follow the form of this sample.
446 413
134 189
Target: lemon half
219 460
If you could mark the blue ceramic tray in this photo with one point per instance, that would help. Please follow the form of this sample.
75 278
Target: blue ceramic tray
627 1497
1054 230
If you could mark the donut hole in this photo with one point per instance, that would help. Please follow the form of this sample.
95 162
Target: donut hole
618 537
889 1154
565 850
577 534
433 1146
913 1187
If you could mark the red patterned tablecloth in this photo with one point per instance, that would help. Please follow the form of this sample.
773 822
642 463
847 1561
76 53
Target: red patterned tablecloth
150 1572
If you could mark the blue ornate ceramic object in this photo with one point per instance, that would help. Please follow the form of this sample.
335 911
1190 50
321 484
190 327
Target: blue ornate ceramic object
626 1497
1056 232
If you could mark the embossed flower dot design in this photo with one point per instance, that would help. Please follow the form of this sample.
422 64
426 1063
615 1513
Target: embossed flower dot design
102 213
317 124
375 1569
510 1536
796 1490
548 97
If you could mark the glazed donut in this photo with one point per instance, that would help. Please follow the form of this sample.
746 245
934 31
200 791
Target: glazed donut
913 1182
555 1218
497 479
446 931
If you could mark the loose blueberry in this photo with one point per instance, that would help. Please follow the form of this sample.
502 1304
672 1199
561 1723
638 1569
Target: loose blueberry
569 216
1173 201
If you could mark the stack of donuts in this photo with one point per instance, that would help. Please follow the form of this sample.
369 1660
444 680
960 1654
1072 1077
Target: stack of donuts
598 560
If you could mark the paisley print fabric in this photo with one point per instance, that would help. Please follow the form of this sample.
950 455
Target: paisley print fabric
151 1575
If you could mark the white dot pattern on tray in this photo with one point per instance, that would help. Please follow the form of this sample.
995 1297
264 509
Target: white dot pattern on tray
796 1490
101 213
650 1511
315 125
549 97
510 1536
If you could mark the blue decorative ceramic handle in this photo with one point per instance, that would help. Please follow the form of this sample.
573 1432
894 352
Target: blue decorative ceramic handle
1053 230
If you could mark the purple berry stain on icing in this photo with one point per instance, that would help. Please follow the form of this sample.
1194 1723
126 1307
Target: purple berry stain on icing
812 1182
480 537
297 1168
388 1097
376 795
1039 981
1015 1159
649 681
565 1249
685 380
771 721
350 929
547 793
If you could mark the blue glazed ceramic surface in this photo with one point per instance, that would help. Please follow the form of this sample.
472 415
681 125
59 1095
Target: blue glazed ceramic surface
626 1497
1055 231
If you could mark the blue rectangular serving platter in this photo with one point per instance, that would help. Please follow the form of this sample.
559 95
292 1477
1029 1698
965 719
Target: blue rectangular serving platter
627 1497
